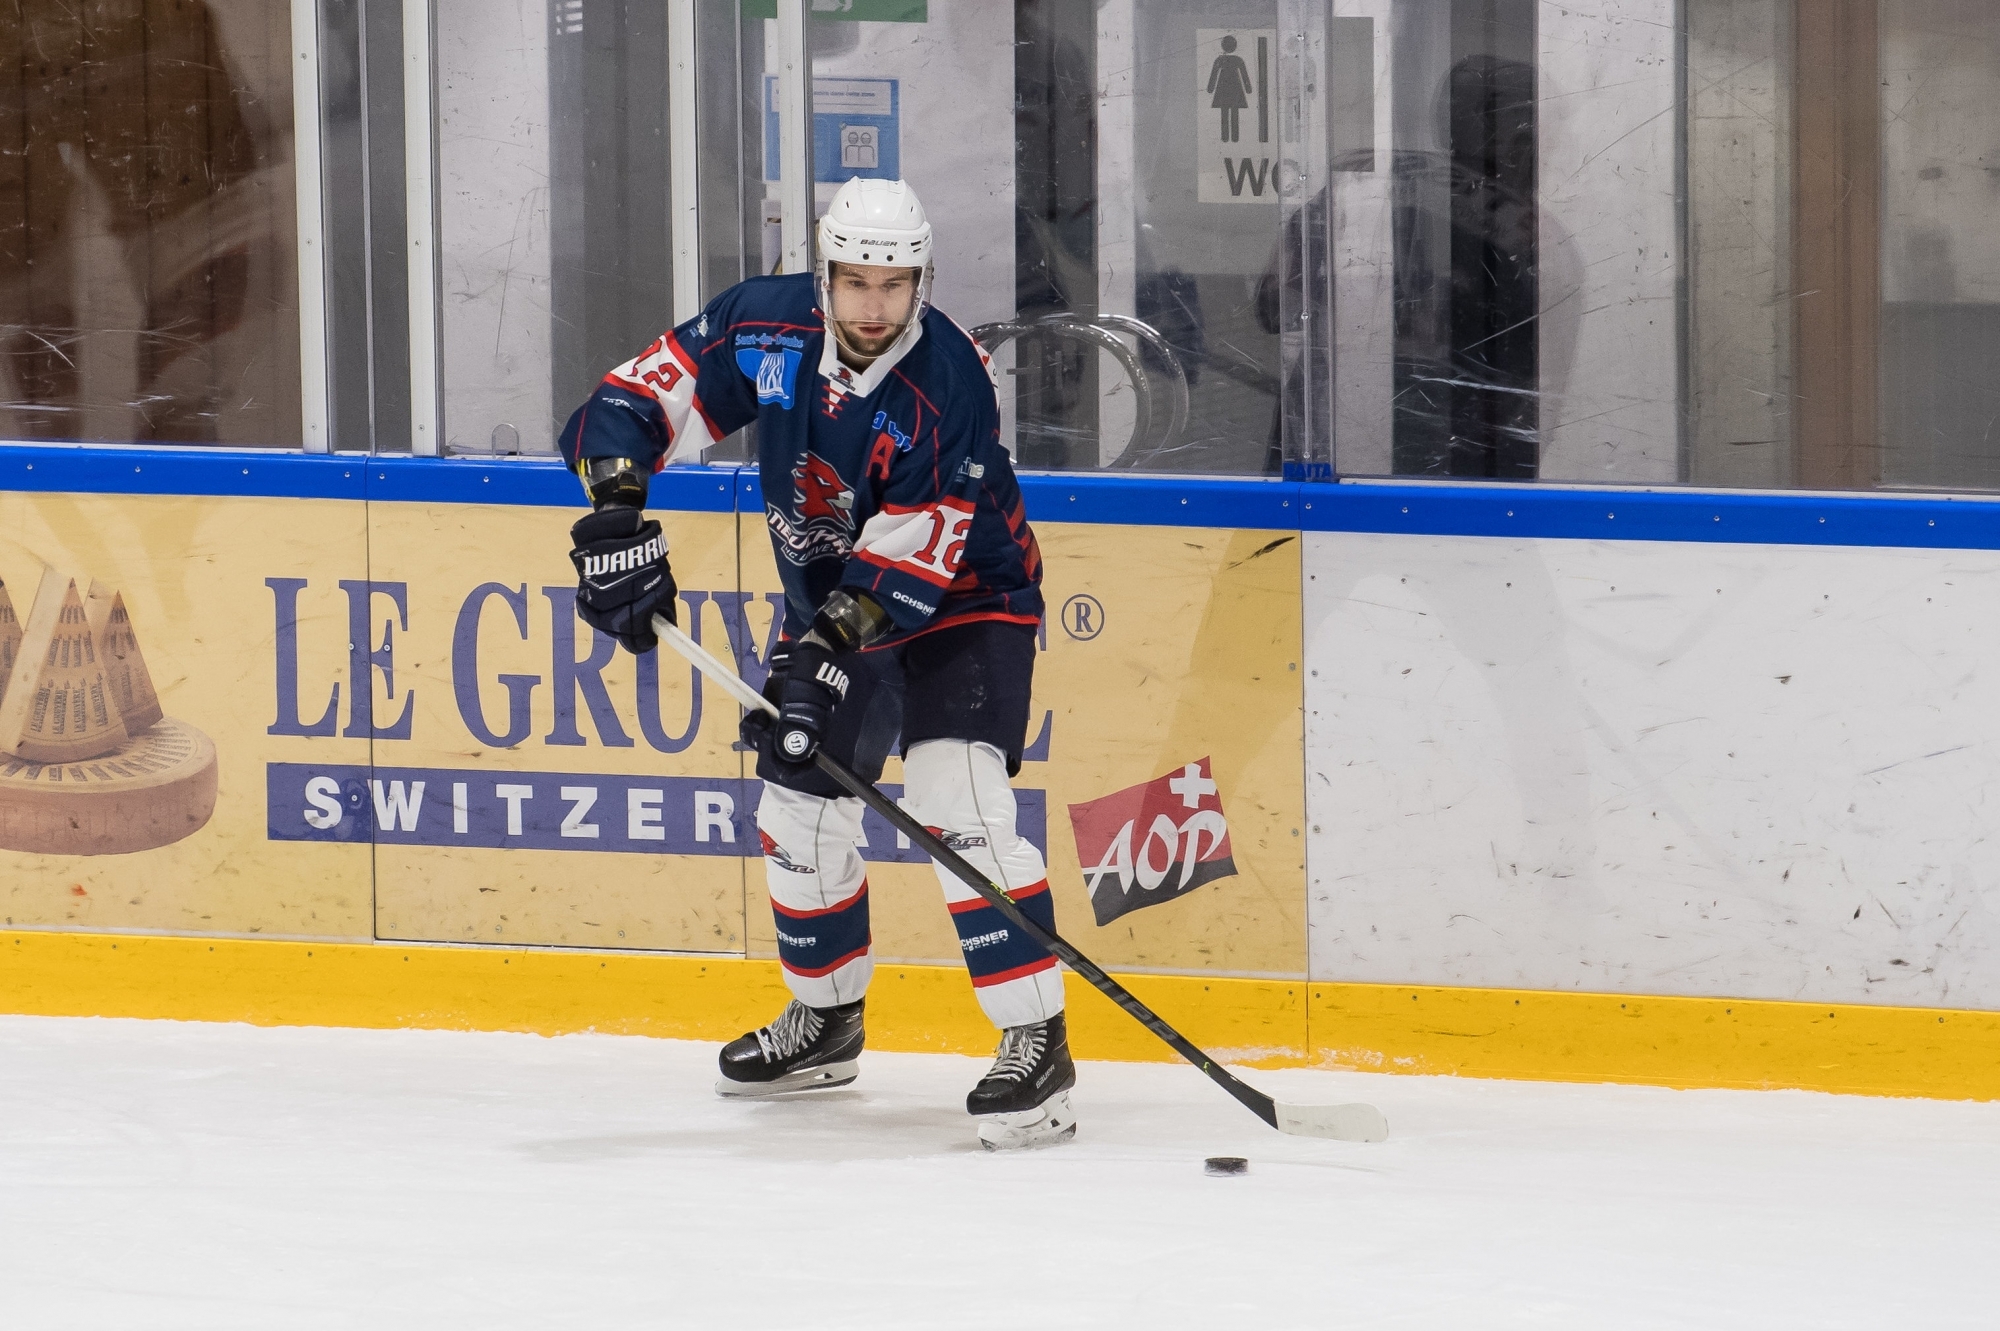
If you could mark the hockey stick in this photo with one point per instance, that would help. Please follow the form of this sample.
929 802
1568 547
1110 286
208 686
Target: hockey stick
1350 1122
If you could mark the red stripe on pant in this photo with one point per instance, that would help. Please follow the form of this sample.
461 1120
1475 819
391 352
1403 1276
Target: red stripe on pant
835 908
981 903
816 971
1001 977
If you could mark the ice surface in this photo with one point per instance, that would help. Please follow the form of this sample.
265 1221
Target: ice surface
162 1175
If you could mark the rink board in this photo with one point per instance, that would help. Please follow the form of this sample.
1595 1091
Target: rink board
1715 770
1649 786
419 741
1680 1042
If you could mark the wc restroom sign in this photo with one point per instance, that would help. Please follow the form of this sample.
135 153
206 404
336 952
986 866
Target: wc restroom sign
1236 121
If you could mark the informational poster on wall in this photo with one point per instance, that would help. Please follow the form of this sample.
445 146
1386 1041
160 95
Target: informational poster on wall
319 718
856 129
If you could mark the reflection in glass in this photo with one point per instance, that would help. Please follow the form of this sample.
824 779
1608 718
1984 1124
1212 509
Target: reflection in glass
1727 242
1940 128
148 288
552 207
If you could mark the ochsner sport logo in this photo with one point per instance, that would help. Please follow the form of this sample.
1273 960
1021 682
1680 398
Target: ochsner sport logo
647 552
1153 842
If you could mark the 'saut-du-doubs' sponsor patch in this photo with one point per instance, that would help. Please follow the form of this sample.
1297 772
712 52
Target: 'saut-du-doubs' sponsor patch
1153 842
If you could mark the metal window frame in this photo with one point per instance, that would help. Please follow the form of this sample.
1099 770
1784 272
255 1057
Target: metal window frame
314 409
683 177
795 130
420 121
420 226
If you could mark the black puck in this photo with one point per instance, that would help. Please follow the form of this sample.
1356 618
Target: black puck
1225 1164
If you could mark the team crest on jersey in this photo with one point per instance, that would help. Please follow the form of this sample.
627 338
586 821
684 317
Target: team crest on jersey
771 361
821 522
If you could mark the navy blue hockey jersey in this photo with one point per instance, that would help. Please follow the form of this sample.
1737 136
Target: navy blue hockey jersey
891 481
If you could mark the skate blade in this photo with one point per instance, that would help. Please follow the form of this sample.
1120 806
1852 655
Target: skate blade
1050 1124
823 1078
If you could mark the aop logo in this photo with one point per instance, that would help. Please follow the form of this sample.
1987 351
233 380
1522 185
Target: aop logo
1153 842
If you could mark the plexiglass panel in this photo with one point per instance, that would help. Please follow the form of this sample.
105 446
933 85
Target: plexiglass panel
556 259
1732 242
148 233
1091 229
1940 119
1505 255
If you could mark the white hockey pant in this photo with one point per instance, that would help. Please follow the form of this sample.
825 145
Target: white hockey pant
819 888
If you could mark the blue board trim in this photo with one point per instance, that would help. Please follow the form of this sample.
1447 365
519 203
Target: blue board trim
1162 501
536 483
1519 511
120 470
267 474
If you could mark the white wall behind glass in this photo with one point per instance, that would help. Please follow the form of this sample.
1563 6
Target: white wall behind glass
1739 260
1364 268
955 78
1609 247
1941 155
493 220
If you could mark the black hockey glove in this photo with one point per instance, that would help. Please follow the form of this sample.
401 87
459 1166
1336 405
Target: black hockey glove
813 685
755 728
623 579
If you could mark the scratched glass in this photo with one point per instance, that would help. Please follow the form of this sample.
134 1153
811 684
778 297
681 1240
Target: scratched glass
1138 329
553 228
148 237
1722 242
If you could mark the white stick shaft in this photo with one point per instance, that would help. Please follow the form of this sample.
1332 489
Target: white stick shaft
732 683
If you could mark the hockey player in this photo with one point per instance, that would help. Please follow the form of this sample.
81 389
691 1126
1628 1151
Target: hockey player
912 599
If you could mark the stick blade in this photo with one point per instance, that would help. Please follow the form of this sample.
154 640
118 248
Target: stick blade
1345 1123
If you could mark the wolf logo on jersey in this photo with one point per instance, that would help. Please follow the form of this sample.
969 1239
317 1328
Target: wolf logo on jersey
820 493
822 518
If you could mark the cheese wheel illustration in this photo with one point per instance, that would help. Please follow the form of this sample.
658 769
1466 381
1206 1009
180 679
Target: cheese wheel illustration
59 706
118 652
152 790
10 639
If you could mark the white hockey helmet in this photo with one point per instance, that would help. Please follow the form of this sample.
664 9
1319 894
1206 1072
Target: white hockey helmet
876 224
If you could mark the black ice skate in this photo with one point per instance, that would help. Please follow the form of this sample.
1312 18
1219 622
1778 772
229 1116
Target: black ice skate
1023 1100
805 1049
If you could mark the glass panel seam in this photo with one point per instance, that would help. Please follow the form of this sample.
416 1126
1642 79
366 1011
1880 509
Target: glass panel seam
306 133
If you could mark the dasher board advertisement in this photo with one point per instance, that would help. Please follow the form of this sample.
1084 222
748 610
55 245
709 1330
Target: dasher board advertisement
330 719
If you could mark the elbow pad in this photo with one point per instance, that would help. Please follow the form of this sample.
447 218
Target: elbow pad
610 481
850 621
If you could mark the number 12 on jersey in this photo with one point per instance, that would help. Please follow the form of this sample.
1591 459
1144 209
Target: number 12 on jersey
926 542
944 553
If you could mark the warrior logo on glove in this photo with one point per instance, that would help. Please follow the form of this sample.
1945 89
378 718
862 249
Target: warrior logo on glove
833 677
623 579
627 560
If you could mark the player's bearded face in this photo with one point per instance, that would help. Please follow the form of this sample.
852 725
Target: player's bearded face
872 305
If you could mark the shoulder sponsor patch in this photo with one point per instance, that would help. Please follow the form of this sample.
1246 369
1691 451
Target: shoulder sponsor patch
771 362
